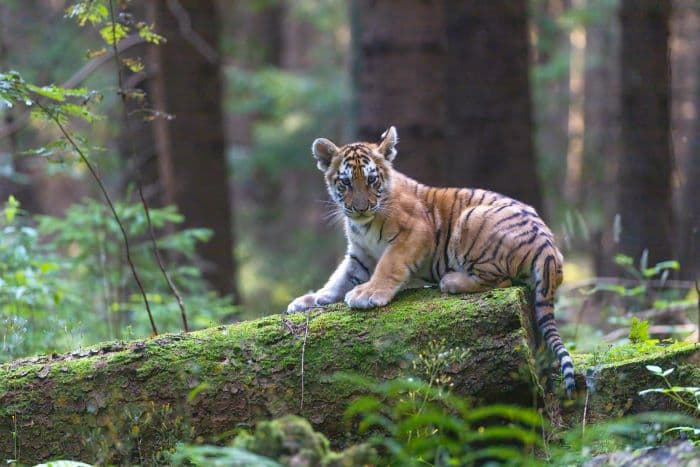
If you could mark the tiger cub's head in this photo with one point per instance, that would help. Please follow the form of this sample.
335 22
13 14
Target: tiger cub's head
358 175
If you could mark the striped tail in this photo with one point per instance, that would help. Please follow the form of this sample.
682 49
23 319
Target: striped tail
548 277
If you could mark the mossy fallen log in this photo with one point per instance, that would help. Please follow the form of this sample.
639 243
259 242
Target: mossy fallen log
131 400
615 379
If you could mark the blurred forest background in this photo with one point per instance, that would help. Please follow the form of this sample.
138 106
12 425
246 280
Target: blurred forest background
587 109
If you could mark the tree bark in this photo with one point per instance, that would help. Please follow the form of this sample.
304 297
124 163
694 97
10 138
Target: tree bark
399 54
644 174
187 84
488 99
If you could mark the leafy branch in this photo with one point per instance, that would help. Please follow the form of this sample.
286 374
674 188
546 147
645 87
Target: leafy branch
60 107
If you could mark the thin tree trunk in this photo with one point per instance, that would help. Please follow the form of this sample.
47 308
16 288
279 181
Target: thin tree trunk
488 99
399 54
644 174
685 66
187 84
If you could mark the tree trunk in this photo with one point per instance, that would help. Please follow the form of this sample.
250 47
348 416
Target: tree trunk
187 84
399 54
488 99
601 145
72 406
550 91
685 73
644 173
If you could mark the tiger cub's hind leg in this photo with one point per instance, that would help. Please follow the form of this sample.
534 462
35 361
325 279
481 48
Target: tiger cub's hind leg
462 282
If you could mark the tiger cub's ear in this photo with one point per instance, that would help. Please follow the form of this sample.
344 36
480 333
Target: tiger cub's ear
323 151
387 147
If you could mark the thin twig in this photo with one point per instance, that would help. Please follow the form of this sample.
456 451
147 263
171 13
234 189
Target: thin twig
180 302
97 178
697 292
654 330
695 256
303 352
190 35
593 281
585 411
139 185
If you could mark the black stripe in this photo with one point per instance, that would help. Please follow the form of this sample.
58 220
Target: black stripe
478 233
431 192
545 319
509 228
471 195
503 207
500 241
381 230
354 280
353 257
394 237
449 229
436 263
548 333
546 275
506 219
567 365
537 254
517 248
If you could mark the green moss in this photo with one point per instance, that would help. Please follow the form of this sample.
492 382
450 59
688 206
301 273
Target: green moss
630 353
236 374
228 375
616 377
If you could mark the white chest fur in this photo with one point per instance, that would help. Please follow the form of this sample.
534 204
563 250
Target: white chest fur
369 237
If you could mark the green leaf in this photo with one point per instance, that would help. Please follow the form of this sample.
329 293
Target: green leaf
639 331
52 92
133 64
113 33
90 11
194 392
146 33
655 369
11 208
624 260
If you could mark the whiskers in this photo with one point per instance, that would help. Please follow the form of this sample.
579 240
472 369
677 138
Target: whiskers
334 214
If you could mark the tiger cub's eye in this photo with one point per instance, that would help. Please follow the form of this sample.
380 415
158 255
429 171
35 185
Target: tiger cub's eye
371 179
345 181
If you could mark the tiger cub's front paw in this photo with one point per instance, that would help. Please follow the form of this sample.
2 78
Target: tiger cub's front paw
310 300
366 296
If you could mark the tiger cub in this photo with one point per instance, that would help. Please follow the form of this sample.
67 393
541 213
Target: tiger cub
399 230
